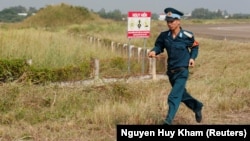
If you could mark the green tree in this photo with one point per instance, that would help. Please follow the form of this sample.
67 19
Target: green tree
201 13
115 14
11 14
154 16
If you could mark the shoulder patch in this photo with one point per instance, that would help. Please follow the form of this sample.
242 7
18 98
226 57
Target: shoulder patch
188 34
195 44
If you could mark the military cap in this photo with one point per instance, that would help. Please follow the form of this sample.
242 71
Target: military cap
172 14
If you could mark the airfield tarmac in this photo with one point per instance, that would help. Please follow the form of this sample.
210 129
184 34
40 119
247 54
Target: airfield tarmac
238 32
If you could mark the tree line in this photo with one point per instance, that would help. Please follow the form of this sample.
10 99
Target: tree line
19 13
198 13
16 14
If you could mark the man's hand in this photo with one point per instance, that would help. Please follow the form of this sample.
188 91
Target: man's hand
191 62
151 54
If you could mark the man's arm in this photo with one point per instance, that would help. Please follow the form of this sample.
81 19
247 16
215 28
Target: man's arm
159 46
193 53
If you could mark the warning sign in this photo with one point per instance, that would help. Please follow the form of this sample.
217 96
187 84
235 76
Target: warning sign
138 24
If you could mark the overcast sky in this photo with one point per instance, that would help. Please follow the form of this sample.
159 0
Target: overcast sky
155 6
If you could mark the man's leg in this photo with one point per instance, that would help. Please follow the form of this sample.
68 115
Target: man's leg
178 82
193 104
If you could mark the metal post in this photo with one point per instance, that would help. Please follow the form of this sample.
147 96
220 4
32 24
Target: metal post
96 69
143 56
153 68
129 52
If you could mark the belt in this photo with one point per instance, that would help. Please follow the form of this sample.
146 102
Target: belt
177 69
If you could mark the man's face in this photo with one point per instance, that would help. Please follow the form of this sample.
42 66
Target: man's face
173 24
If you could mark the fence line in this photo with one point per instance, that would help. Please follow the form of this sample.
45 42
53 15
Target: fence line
135 52
152 68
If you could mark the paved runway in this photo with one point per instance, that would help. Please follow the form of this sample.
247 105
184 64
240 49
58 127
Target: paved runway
239 32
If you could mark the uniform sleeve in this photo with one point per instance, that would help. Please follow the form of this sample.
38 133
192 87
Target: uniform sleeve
194 50
192 44
159 44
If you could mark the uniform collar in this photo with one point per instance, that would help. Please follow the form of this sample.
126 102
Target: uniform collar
180 34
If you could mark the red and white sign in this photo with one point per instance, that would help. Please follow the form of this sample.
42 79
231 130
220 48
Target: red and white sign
138 24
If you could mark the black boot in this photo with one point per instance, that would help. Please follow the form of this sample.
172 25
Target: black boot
198 115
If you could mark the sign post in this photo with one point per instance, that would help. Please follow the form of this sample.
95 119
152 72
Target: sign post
138 27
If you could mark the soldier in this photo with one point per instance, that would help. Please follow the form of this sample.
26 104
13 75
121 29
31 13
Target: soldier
182 50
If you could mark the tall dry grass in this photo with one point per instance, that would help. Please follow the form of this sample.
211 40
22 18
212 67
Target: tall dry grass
220 80
48 49
77 112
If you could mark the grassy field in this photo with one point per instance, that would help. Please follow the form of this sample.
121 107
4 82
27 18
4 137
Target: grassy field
77 112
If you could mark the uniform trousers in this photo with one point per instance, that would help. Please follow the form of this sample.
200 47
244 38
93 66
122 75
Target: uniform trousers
179 94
